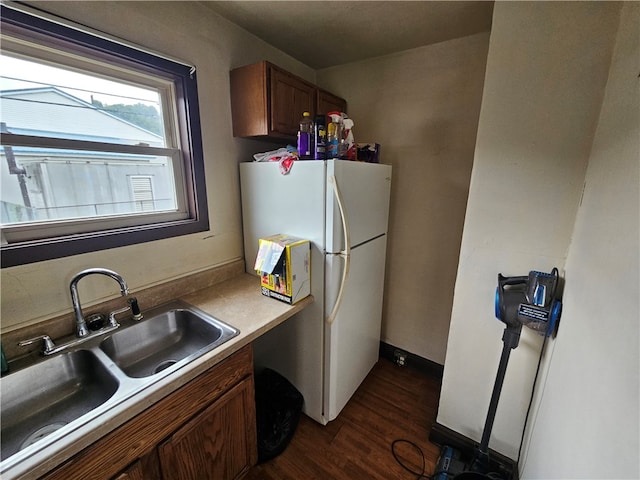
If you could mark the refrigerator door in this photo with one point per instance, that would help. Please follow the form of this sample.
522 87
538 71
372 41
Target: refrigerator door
364 189
352 341
293 204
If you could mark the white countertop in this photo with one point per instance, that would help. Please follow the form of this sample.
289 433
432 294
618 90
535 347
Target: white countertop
237 301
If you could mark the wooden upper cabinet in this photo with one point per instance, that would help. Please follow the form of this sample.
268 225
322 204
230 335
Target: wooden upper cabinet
249 100
328 102
267 101
289 97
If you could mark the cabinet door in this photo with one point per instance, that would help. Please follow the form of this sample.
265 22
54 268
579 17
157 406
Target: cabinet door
248 88
328 102
131 450
290 98
134 472
146 468
219 443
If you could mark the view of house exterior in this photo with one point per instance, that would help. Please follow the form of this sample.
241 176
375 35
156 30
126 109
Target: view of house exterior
50 183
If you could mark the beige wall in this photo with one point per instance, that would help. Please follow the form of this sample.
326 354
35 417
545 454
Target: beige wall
589 411
422 106
546 71
188 31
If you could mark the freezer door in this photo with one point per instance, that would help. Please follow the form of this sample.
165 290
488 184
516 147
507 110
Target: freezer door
273 203
364 190
352 341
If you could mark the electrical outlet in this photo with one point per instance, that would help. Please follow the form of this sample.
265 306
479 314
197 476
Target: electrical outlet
400 357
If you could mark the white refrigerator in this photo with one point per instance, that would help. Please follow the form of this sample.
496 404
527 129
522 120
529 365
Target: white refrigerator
342 207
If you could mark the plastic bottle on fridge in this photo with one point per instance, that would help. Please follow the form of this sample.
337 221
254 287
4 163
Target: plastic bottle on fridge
305 136
320 138
334 134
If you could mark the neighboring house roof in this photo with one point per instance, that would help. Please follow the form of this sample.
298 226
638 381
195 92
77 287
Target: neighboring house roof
49 111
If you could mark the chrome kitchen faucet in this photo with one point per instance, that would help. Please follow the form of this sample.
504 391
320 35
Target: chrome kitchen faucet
81 324
96 321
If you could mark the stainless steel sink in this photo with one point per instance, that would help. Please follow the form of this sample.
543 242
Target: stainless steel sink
164 340
48 399
44 397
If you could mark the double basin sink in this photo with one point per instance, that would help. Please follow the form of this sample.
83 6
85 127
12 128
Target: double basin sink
47 399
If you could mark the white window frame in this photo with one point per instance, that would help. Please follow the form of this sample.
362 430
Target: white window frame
54 40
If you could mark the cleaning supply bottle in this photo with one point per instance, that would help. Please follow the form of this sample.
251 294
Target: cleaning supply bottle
334 134
348 150
319 138
305 136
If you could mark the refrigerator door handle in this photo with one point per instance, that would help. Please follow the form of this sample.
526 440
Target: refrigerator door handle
346 253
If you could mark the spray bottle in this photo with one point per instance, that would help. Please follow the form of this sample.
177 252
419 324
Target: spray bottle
348 150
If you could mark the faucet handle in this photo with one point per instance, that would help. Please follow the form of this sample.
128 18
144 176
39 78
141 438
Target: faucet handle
112 322
47 346
132 306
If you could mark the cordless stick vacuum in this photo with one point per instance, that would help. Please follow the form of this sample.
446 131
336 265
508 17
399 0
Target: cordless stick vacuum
527 300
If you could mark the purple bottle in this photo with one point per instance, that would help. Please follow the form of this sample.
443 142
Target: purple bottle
305 136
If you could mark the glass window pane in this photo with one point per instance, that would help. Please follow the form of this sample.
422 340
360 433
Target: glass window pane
44 185
52 101
98 136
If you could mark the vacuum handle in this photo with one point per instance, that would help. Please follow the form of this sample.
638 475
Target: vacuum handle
512 280
508 299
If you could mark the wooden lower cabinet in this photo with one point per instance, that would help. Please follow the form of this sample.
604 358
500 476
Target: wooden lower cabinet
145 468
203 431
214 444
134 472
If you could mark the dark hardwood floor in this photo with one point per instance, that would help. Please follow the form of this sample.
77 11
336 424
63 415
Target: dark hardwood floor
392 403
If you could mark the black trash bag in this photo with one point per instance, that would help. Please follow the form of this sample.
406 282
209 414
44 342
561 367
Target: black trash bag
278 407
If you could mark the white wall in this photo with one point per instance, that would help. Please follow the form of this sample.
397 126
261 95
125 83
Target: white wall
422 106
588 424
546 72
189 31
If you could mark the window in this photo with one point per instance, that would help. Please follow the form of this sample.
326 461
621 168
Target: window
101 143
142 193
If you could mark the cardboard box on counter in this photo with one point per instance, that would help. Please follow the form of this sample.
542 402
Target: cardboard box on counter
284 266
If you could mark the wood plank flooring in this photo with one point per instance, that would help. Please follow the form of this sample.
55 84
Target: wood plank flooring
392 403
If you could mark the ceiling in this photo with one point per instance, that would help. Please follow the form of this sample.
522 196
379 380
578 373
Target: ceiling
323 34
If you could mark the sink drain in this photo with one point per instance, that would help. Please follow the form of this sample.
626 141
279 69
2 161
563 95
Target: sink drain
164 365
41 433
